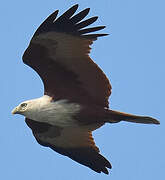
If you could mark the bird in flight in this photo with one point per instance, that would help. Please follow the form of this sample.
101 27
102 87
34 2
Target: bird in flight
76 90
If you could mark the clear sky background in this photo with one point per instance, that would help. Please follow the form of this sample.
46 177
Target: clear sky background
133 58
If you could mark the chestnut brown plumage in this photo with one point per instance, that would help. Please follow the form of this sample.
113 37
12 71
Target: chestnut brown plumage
76 90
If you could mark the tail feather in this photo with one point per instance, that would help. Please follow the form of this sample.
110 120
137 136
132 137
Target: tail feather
116 116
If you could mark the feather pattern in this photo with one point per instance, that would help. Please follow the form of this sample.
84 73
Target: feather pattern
59 53
76 144
76 90
69 24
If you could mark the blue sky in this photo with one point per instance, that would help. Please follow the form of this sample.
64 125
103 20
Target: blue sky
133 58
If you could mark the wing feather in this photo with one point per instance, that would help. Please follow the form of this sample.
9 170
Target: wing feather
44 27
58 52
86 22
76 143
64 18
93 29
81 15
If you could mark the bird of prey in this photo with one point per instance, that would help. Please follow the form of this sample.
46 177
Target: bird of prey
76 90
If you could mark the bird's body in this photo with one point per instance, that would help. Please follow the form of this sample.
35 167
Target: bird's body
76 91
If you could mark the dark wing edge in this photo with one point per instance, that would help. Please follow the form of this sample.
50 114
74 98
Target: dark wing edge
67 23
86 156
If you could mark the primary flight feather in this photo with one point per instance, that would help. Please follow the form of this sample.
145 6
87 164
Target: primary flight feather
76 90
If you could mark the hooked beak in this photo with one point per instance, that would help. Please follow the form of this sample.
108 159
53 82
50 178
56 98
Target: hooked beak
15 111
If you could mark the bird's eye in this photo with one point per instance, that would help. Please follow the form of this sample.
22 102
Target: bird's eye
23 105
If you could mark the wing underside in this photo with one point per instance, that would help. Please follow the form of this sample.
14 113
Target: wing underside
77 144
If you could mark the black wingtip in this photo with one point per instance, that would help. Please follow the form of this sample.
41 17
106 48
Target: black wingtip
66 15
75 6
81 15
86 156
86 22
71 24
71 10
45 25
93 29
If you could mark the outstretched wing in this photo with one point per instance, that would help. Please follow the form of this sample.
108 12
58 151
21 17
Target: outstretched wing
58 52
76 143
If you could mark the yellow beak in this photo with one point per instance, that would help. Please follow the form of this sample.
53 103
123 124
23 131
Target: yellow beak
15 111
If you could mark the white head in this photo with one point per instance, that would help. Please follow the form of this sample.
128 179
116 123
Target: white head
25 107
31 107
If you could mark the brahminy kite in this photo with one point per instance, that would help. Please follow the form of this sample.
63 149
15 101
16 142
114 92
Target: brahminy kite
76 90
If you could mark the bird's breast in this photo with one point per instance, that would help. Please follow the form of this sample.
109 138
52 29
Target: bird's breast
60 113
